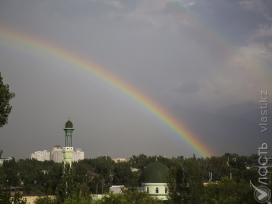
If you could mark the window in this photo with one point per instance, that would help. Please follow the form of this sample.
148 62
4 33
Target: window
147 189
157 190
165 190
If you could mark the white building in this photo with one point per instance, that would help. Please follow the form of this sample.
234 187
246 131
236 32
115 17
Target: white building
56 154
154 180
41 155
78 155
117 160
116 188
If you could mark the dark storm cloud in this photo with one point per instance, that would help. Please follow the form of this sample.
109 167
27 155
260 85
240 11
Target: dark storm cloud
153 46
232 19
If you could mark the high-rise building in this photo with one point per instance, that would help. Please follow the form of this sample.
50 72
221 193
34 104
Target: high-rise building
78 155
41 155
66 153
56 154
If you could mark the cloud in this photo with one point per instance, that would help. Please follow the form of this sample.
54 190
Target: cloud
188 87
204 50
116 4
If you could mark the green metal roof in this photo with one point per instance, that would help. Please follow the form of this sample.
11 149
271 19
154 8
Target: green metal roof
69 124
155 172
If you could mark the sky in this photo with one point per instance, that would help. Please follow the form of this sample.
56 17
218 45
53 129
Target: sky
188 57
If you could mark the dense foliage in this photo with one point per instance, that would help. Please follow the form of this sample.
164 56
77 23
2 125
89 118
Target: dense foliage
186 178
5 107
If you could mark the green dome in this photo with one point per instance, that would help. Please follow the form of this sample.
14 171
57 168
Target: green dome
155 172
69 124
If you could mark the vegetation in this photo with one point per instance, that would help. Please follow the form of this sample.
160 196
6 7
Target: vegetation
186 178
5 107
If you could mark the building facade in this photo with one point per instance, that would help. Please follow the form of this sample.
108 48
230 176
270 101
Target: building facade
41 155
117 160
78 155
56 154
154 180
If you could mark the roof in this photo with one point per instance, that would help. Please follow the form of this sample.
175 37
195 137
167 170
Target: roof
155 172
69 124
16 188
92 173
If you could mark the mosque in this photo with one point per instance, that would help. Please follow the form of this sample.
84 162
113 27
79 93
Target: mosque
154 180
154 175
68 149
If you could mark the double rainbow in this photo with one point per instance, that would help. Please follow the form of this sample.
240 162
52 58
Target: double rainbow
8 35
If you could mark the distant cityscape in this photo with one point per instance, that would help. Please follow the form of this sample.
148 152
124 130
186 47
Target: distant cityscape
56 155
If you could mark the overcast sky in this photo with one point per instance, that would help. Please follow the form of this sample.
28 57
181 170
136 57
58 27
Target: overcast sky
202 55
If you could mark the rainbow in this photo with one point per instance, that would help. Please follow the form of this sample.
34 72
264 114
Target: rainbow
11 38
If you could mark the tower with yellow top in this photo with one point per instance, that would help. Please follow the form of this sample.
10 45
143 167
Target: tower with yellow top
68 150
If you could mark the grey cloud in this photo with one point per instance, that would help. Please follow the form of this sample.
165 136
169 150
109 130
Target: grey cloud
266 41
161 53
188 87
231 19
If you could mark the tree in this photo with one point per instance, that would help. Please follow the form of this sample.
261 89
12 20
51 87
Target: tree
129 196
45 200
67 185
194 177
124 176
175 184
10 169
5 107
5 193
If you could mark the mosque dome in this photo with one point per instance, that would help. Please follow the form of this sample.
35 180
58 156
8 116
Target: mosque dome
155 172
69 124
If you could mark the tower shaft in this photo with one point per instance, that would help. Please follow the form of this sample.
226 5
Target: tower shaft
68 150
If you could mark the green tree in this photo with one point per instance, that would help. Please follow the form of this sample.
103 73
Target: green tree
45 200
124 176
227 189
194 178
5 107
10 169
130 196
67 185
5 194
175 183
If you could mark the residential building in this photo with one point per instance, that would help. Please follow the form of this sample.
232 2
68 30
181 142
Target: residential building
117 160
56 154
41 155
78 155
